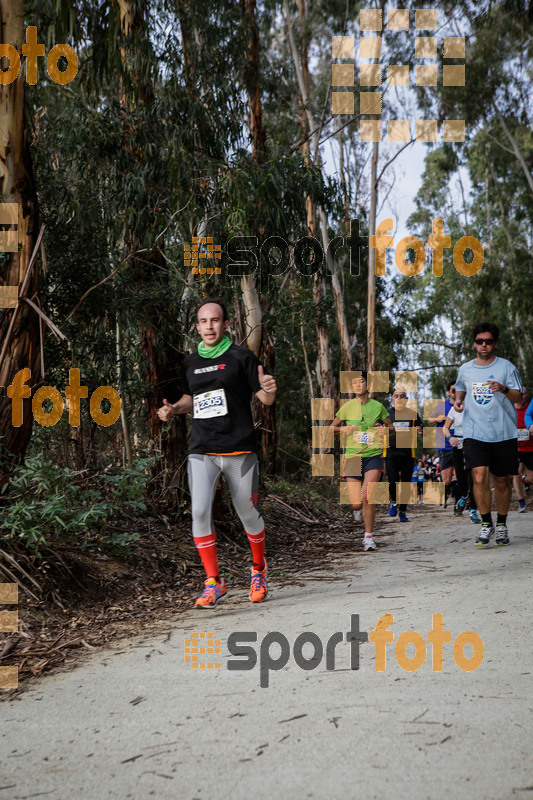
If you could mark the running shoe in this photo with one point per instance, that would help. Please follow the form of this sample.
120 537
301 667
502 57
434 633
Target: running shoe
485 535
474 517
258 584
403 517
358 515
460 506
369 543
212 594
502 534
521 506
393 510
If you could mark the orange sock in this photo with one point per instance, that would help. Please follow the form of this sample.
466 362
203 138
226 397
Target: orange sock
257 543
207 549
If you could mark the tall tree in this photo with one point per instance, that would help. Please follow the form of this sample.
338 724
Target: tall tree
17 185
258 339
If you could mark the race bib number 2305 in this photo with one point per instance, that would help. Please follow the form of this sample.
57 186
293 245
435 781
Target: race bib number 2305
210 404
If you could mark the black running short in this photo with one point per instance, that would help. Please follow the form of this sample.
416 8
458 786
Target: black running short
500 457
445 459
526 458
356 467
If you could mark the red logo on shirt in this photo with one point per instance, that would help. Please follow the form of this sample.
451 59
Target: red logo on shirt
221 366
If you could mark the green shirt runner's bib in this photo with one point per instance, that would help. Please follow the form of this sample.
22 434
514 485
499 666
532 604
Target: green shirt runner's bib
363 442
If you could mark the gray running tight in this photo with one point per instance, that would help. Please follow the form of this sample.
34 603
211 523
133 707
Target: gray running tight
242 473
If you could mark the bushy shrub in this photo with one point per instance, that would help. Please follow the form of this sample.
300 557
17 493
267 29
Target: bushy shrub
43 501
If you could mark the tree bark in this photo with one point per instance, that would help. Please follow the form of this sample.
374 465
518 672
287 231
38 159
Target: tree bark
518 155
161 372
371 318
120 387
257 338
301 66
17 186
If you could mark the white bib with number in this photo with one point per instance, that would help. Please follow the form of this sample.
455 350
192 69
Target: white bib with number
363 437
210 404
523 435
401 424
482 393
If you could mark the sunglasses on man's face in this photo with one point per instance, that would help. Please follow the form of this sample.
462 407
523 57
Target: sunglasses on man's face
484 341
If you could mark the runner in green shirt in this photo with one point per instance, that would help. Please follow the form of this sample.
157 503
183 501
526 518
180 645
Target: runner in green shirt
364 419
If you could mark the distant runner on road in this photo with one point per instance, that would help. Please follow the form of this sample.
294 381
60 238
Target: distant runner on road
486 389
400 454
363 462
465 488
444 448
525 450
218 384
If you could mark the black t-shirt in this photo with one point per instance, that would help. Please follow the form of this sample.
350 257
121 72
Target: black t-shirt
222 389
406 419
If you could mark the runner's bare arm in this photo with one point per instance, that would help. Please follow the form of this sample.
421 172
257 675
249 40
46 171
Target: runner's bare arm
514 395
459 397
454 441
337 424
386 423
436 416
168 410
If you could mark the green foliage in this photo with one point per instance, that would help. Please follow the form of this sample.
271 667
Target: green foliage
45 502
151 144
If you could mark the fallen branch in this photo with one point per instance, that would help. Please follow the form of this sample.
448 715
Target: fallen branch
15 579
312 521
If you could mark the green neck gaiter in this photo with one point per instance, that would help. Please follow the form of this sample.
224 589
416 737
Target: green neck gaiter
216 351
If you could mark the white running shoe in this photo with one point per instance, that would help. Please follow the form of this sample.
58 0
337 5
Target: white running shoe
358 515
502 534
521 509
485 535
369 543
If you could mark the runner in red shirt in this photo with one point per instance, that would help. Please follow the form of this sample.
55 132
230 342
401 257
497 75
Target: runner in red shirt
525 451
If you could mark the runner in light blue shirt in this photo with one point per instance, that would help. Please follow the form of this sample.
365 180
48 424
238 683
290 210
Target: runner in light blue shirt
528 418
486 389
489 416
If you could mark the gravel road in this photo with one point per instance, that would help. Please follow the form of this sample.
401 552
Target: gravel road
137 721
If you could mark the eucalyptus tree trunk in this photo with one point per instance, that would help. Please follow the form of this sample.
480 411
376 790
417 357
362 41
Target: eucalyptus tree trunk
371 314
160 371
257 338
310 132
17 186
